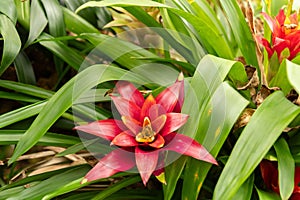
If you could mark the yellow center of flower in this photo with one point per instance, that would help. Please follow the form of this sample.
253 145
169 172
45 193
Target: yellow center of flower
289 27
147 134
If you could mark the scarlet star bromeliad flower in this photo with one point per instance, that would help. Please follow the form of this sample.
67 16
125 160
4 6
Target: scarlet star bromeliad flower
269 173
144 133
285 35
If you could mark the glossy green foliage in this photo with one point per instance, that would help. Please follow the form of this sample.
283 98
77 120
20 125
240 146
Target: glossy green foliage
85 46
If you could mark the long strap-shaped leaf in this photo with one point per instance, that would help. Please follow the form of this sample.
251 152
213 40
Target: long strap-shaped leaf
38 21
254 142
218 118
62 100
12 42
213 107
240 30
202 24
8 8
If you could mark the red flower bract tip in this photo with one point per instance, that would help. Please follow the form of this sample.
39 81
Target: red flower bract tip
147 130
285 35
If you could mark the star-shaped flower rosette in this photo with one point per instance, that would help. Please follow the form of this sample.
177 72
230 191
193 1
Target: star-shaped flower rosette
285 40
144 133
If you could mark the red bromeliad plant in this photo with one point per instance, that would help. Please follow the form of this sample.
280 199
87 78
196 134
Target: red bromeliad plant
285 35
144 133
269 173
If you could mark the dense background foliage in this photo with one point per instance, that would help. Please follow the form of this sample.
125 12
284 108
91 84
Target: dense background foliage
60 57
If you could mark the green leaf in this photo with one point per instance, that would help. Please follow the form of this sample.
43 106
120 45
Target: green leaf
167 35
207 97
267 195
33 180
276 5
104 3
26 89
104 149
254 142
241 31
8 8
172 174
117 186
12 42
208 28
8 137
10 192
286 168
77 24
21 113
61 50
51 184
140 14
23 13
38 22
293 74
24 69
18 97
56 25
245 191
280 79
62 100
128 56
215 123
55 17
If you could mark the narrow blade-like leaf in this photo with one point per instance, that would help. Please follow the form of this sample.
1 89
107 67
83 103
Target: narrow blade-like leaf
255 141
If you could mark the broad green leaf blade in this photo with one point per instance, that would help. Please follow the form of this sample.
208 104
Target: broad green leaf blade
124 3
241 31
245 191
62 100
8 8
293 74
24 69
11 192
215 124
12 42
38 21
258 136
61 50
286 168
208 77
47 186
263 195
